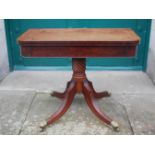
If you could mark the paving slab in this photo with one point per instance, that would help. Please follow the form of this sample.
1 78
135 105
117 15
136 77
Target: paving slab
14 106
47 81
127 82
141 112
78 120
40 81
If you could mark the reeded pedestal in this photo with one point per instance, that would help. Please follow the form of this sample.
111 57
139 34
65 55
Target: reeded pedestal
80 84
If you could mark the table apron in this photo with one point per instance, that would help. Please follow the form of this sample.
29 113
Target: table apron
79 51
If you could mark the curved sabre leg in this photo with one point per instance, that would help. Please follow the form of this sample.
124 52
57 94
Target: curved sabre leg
67 102
61 94
87 91
98 94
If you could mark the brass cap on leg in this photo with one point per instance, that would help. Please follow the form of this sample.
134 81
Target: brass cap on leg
115 126
43 125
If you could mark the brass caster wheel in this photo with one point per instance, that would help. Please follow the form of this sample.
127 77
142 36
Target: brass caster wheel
43 125
115 126
52 94
107 94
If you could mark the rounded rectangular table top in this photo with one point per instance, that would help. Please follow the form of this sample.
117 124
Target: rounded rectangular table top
75 35
79 43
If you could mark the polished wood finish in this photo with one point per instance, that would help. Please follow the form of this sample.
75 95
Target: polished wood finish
79 44
78 52
80 84
83 34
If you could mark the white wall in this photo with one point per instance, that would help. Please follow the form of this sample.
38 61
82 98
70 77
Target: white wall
151 54
4 65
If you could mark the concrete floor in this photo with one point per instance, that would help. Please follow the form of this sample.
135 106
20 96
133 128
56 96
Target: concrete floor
25 102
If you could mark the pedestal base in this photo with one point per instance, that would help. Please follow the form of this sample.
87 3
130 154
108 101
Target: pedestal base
80 84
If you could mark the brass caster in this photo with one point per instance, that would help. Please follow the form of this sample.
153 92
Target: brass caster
43 125
107 94
115 126
52 94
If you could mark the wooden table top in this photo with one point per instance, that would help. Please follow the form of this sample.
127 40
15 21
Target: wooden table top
79 43
104 35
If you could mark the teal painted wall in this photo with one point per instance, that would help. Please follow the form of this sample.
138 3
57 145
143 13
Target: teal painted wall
15 28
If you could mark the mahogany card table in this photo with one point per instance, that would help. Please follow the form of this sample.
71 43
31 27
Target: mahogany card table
79 44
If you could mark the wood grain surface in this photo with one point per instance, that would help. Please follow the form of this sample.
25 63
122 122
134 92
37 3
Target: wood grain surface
82 34
79 43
